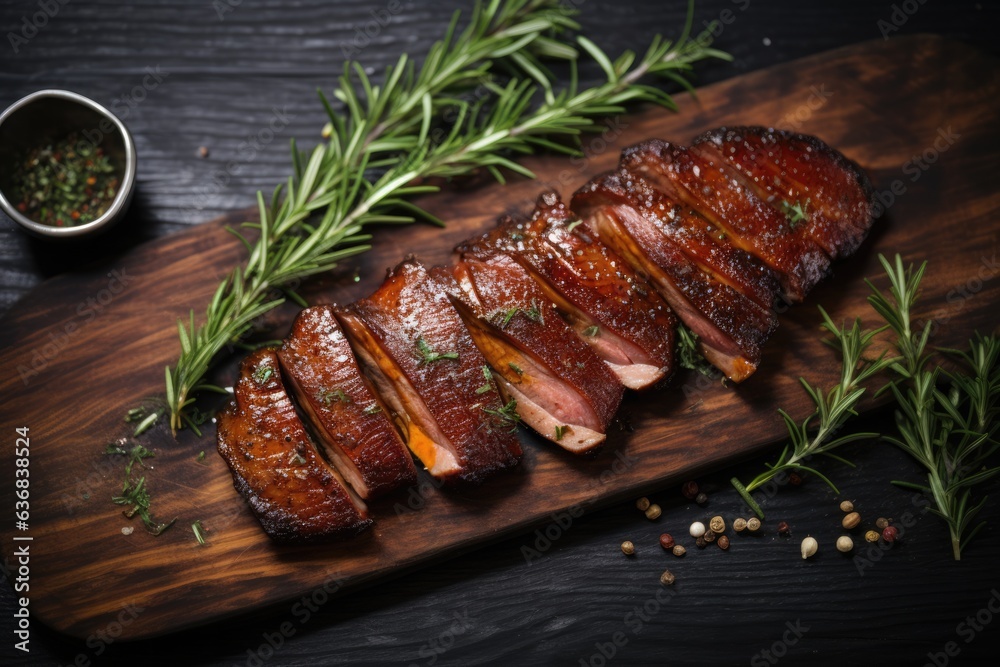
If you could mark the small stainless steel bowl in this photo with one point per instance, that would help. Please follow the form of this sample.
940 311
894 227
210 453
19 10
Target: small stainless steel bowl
47 116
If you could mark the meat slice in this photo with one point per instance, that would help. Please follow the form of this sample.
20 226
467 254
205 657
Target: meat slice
599 295
563 389
349 420
293 492
412 342
634 219
803 178
717 192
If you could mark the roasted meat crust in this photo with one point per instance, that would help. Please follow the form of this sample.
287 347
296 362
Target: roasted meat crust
500 291
412 332
785 168
631 217
293 492
717 192
613 308
349 420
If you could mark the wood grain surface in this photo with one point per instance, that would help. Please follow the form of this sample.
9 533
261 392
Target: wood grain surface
94 343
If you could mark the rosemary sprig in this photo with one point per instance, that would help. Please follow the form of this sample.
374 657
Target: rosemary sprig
833 408
688 354
367 172
950 431
507 414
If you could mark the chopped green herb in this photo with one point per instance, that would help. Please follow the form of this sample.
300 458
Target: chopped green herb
508 316
573 225
483 389
429 356
795 213
373 409
560 432
201 456
196 529
488 385
514 367
327 396
262 374
592 331
135 414
688 354
535 313
506 414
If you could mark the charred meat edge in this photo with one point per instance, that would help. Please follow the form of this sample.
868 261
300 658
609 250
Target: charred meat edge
263 414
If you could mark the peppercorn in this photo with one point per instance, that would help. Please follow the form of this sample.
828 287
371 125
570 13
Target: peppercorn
717 524
845 544
723 542
851 520
809 547
783 528
871 536
679 550
667 578
697 529
709 536
628 548
667 541
753 524
740 524
889 534
881 523
795 479
701 498
642 504
690 490
847 506
700 542
653 512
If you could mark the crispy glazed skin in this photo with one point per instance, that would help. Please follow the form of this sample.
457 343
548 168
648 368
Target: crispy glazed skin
350 422
440 404
716 191
634 220
293 492
611 307
564 379
784 166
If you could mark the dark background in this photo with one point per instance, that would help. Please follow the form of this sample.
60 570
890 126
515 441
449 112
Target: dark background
222 78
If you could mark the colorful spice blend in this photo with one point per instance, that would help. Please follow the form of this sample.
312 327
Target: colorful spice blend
65 183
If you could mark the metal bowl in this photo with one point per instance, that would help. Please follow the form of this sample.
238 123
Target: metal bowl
47 116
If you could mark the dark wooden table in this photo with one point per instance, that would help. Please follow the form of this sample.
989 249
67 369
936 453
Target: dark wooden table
216 78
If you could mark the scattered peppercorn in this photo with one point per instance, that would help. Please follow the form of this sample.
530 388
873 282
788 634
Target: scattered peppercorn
847 506
739 524
881 523
697 529
679 550
717 524
795 479
723 542
871 536
690 490
753 524
851 520
667 541
845 544
709 536
809 547
642 504
667 578
203 151
701 498
628 548
890 533
700 542
783 528
653 512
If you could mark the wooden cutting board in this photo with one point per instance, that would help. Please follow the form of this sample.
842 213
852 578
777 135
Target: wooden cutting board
918 113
